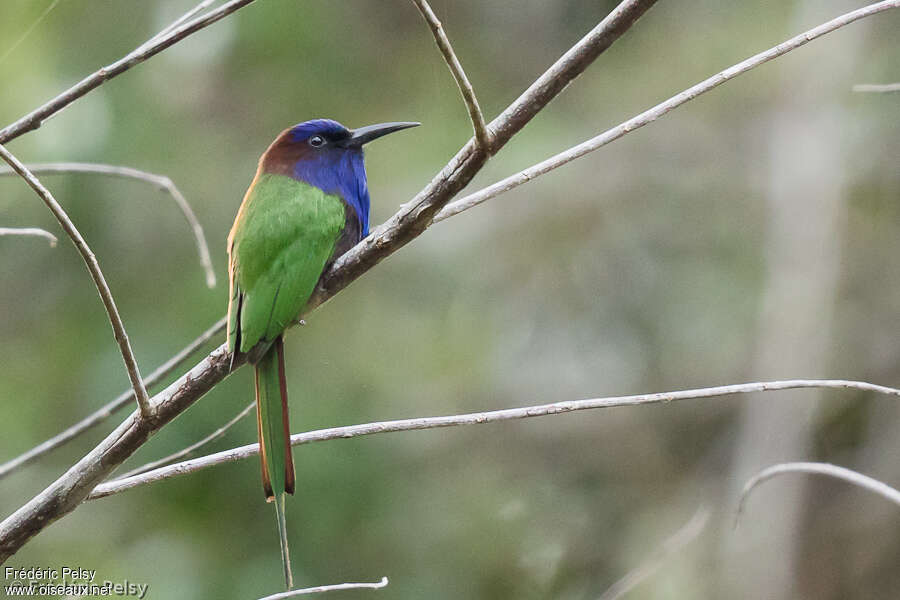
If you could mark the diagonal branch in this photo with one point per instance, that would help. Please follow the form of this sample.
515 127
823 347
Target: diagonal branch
199 7
650 115
70 489
480 418
35 118
111 407
140 392
848 475
162 182
30 231
462 82
416 215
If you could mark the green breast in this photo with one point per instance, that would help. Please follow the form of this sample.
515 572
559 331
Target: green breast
284 236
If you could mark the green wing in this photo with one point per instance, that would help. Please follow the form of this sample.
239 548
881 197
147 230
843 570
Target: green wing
285 233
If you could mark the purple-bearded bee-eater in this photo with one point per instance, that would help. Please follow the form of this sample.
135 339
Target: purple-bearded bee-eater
307 205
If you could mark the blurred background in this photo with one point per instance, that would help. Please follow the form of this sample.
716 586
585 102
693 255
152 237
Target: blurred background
752 234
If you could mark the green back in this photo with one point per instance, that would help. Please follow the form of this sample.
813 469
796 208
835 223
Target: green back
284 235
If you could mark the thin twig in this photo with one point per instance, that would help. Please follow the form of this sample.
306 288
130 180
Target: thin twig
28 31
140 392
479 418
185 452
658 111
877 88
30 231
678 540
329 588
108 409
161 182
35 118
204 4
848 475
459 74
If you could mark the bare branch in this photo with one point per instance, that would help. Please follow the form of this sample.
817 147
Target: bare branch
877 88
112 312
462 82
30 231
678 540
479 418
70 489
203 5
658 111
329 588
35 118
416 215
848 475
162 182
185 452
107 410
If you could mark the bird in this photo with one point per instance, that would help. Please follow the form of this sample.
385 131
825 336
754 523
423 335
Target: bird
307 204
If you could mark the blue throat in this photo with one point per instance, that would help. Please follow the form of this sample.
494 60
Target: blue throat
340 172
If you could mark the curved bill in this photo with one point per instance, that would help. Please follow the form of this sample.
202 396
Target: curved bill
364 135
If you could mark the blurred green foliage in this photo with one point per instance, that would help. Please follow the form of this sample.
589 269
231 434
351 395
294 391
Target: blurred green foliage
639 268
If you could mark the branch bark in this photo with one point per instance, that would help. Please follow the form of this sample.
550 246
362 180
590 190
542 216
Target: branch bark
69 490
480 418
137 384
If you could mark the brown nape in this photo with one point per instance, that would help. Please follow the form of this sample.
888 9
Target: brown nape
281 156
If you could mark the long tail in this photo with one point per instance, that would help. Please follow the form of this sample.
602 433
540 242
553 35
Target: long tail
274 440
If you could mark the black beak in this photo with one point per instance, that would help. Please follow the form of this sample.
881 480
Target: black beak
364 135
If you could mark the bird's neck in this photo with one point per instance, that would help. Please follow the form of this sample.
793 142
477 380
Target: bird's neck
338 172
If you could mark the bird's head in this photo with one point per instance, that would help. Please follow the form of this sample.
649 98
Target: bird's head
327 155
325 135
321 145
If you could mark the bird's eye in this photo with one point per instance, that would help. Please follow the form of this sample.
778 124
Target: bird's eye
316 141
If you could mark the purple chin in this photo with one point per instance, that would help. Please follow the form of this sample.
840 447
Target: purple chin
341 172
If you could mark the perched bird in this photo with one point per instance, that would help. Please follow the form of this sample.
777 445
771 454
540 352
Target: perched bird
307 205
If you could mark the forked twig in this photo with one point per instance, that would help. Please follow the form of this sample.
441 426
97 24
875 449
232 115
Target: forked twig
162 182
111 407
140 392
648 116
459 74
